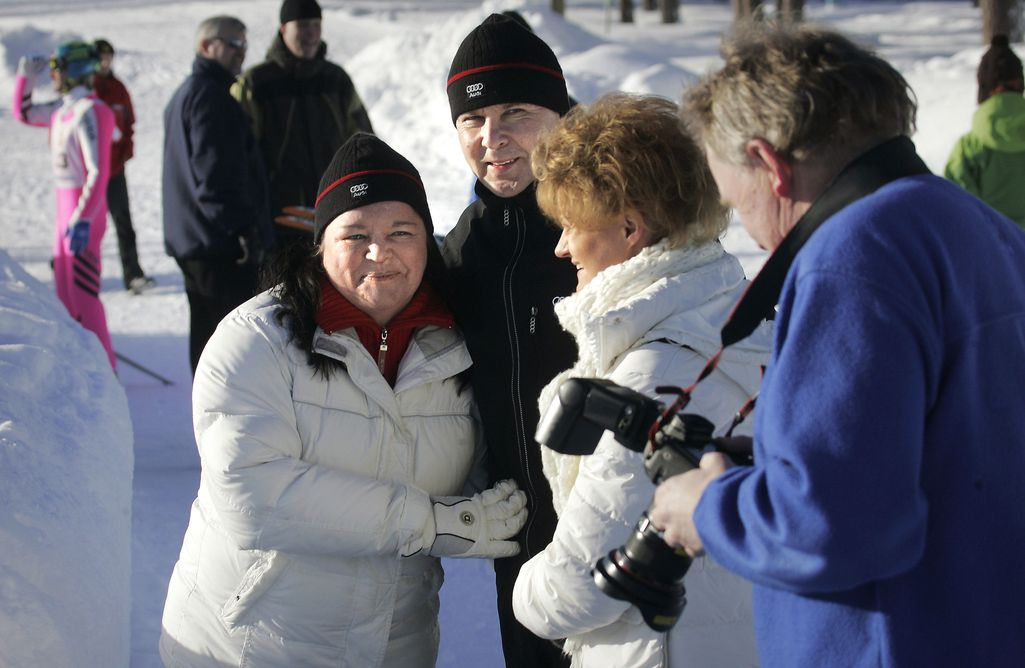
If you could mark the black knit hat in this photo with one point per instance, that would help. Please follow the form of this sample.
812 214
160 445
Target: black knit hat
296 10
365 171
501 62
999 66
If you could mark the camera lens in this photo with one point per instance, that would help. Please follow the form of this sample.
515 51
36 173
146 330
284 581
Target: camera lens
647 573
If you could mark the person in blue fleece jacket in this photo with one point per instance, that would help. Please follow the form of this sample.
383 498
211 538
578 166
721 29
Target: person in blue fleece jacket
881 522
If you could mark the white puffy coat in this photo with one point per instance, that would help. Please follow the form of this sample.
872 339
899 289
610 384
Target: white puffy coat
652 320
310 490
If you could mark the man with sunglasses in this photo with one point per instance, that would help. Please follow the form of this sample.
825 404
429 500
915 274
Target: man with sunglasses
216 221
81 130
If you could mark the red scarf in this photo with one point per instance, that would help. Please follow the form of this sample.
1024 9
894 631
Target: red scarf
386 344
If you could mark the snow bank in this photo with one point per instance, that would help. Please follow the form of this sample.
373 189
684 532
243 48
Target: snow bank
65 486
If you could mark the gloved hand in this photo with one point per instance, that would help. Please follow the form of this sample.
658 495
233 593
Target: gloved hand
79 236
478 526
32 66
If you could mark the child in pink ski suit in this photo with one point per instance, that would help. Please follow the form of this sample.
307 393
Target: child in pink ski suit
81 131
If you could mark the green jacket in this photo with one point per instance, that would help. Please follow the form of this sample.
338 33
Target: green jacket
301 112
989 161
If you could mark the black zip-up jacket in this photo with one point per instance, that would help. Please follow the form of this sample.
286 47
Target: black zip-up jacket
505 279
302 111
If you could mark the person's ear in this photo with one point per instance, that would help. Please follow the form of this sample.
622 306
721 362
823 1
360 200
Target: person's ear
634 230
779 169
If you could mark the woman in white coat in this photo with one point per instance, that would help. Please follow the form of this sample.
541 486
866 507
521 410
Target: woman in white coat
640 218
334 424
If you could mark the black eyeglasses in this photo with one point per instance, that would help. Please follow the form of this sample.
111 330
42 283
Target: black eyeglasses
240 44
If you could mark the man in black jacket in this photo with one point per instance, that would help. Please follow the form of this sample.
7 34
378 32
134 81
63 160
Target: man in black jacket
216 222
505 90
303 107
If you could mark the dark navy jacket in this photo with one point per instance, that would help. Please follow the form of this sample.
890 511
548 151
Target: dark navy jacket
214 188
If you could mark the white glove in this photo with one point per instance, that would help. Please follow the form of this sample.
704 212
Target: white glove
31 67
480 525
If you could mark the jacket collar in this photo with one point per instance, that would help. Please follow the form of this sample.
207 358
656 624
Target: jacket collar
887 162
211 69
539 230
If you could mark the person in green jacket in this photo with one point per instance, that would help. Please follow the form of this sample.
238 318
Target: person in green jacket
302 108
989 161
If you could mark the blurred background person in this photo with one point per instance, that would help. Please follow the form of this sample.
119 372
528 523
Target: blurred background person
302 107
81 131
989 160
334 422
112 91
640 219
216 222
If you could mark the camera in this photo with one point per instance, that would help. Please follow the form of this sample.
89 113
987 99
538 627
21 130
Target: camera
645 570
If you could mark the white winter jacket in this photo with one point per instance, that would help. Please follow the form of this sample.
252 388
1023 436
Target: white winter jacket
652 320
310 490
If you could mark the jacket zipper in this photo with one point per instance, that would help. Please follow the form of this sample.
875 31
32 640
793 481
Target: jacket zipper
382 351
510 314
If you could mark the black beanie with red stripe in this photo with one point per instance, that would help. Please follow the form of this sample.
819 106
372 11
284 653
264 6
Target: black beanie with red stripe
365 170
501 62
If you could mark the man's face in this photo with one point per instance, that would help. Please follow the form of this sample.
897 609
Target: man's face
747 190
302 37
497 141
228 49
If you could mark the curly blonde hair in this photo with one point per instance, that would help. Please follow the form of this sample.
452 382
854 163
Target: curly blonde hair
628 152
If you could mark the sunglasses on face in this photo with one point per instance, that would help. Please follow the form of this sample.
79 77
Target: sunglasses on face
239 44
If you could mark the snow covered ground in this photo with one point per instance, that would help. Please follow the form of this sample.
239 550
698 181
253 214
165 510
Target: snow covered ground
64 474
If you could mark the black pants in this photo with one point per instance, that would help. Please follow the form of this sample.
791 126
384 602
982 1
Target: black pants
522 648
214 288
117 204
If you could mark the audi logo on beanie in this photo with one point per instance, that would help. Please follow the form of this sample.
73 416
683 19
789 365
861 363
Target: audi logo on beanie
364 171
501 62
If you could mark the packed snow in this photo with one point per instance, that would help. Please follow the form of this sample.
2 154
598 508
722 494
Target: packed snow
98 471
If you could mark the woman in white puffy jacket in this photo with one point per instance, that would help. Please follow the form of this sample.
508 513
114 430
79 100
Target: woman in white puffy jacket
640 216
334 426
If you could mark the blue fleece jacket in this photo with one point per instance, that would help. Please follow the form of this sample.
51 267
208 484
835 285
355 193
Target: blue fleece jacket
883 523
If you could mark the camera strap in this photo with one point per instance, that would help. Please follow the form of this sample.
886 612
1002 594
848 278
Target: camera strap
891 160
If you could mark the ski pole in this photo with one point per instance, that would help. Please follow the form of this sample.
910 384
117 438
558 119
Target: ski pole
148 372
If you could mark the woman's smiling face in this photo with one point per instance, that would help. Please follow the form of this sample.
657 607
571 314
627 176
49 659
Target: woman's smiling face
375 256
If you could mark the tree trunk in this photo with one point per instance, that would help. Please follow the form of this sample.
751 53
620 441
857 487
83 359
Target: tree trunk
650 5
670 11
626 11
791 11
1001 17
746 10
559 7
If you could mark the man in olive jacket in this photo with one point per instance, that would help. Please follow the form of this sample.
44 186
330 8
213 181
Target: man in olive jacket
302 108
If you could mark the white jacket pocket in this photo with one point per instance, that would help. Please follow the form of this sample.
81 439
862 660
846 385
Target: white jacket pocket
256 580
